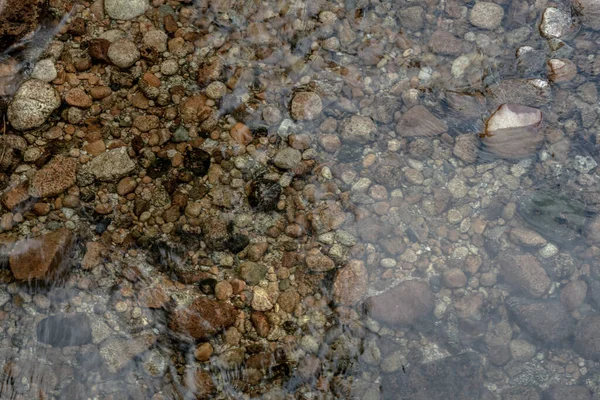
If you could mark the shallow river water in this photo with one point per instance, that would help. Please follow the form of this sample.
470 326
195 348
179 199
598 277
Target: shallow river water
244 199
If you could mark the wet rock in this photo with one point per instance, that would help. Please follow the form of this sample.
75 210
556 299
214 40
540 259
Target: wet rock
44 70
57 176
562 70
560 392
201 384
32 104
418 121
64 330
521 393
216 90
443 42
264 195
358 129
287 158
587 340
125 9
454 278
486 15
118 352
466 147
123 53
252 273
555 23
288 300
403 304
197 161
513 131
318 262
573 294
525 272
202 318
41 257
306 106
78 98
589 12
547 320
17 19
454 377
533 92
241 133
261 300
531 63
111 165
156 39
350 284
215 233
412 18
146 123
527 237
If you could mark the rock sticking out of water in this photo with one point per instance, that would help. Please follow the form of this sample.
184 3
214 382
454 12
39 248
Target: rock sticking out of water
63 330
513 131
41 257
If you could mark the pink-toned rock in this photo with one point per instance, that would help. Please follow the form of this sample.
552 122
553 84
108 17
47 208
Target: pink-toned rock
41 257
202 318
573 294
513 131
350 283
403 304
418 121
562 70
78 98
56 177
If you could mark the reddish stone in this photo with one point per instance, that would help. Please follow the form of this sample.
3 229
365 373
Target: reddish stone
41 257
261 323
203 318
15 196
153 297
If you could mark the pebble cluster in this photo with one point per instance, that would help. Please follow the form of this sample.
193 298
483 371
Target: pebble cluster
230 199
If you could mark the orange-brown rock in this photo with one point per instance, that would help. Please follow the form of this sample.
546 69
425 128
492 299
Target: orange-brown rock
41 257
57 176
202 318
15 196
241 134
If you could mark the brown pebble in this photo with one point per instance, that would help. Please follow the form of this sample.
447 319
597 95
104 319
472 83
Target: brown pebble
100 92
261 323
126 186
78 98
203 352
241 133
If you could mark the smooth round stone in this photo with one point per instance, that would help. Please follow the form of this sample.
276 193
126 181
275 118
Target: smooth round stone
123 53
486 15
125 9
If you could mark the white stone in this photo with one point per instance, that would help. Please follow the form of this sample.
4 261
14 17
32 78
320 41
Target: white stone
125 9
44 70
32 105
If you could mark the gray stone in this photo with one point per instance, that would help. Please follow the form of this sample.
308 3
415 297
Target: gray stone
125 9
156 39
587 340
181 134
525 272
403 304
466 147
412 18
418 121
358 129
589 12
547 320
252 272
32 105
111 165
564 392
287 158
486 15
44 70
117 352
123 53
